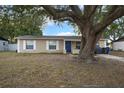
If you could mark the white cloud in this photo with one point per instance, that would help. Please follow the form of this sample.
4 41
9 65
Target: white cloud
66 34
50 23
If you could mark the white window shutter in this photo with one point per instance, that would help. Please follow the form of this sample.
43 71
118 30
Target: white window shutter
24 44
57 46
34 45
47 45
18 45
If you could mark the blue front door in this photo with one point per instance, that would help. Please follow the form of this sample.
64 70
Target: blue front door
68 46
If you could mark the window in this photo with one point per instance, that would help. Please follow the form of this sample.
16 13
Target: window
52 45
4 43
78 45
29 44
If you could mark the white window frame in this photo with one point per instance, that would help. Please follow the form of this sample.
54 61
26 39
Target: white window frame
24 44
48 43
18 46
77 42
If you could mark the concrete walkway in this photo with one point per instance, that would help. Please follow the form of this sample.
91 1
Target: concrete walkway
111 57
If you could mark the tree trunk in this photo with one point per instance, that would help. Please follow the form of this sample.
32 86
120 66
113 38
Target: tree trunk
82 44
87 49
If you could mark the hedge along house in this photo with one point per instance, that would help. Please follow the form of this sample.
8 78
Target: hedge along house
50 44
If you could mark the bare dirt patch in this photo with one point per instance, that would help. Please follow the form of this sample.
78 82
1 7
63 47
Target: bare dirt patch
57 70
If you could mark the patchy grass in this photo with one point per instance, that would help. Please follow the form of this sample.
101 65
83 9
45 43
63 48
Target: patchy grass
117 53
57 70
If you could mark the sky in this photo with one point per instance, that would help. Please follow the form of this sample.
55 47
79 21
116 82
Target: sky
53 29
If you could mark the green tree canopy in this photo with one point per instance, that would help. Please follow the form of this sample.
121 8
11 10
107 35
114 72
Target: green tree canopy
20 20
115 30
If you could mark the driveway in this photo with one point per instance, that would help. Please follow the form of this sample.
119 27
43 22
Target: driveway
111 57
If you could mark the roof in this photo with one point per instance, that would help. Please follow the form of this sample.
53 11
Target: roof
119 40
1 38
48 37
30 37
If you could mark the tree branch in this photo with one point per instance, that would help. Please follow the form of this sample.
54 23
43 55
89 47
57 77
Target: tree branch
56 13
76 9
89 10
109 18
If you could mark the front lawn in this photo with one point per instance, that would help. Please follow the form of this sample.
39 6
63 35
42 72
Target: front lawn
57 70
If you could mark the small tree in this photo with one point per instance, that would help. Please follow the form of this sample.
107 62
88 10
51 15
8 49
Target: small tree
91 21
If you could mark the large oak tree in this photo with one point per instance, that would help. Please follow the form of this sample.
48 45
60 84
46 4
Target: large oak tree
91 21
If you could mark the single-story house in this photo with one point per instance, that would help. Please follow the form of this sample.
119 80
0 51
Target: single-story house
3 44
51 44
118 44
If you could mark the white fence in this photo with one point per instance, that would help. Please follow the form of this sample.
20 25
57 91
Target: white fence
12 47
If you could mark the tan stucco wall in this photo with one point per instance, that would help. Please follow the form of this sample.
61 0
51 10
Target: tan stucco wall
40 47
102 43
74 50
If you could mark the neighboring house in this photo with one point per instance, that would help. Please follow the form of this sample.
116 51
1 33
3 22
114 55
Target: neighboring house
51 44
3 44
118 44
12 47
